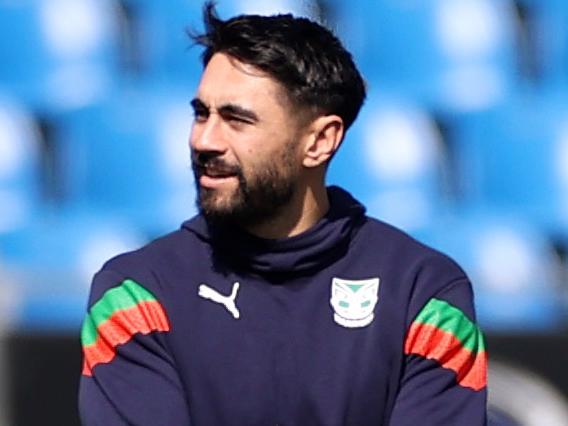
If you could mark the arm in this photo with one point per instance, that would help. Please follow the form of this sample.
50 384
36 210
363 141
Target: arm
128 374
444 380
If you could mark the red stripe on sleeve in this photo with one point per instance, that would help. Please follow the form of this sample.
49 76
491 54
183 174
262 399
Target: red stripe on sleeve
143 318
432 343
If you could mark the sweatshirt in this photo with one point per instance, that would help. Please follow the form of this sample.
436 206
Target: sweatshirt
352 322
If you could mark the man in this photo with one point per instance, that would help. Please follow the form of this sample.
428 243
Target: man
281 303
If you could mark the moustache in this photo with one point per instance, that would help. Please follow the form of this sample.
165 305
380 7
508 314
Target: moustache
214 166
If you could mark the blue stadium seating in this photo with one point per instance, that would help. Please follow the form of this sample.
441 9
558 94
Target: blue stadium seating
51 262
58 54
514 269
161 49
20 165
515 156
229 8
165 50
393 160
456 54
130 155
546 33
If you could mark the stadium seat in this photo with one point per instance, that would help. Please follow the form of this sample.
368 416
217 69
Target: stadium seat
158 45
51 263
514 269
515 157
20 162
546 41
130 155
159 28
393 160
229 8
455 54
58 54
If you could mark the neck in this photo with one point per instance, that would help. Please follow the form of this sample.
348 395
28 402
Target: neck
305 209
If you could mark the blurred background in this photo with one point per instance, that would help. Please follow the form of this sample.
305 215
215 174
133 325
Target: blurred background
463 143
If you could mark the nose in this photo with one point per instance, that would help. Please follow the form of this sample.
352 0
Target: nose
207 136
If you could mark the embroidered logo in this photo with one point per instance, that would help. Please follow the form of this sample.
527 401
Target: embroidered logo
353 301
227 301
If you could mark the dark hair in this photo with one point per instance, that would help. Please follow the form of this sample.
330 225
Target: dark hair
303 56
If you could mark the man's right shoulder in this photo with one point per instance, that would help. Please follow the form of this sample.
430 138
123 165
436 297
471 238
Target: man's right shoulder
146 264
151 254
127 299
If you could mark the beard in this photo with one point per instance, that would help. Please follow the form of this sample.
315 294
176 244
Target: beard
259 196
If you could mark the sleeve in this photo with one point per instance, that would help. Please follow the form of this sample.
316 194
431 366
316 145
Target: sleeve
129 376
445 372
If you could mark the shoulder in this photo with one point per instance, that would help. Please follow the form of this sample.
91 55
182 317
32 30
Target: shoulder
401 248
145 265
126 301
148 255
126 298
420 273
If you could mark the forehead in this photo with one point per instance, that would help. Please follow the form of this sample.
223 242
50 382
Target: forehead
227 80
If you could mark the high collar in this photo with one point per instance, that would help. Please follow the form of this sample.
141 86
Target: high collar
311 250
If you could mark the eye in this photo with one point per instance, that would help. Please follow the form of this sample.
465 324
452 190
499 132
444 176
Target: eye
365 304
238 121
343 304
200 115
200 111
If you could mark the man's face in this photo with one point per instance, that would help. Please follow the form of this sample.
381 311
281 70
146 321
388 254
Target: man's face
245 144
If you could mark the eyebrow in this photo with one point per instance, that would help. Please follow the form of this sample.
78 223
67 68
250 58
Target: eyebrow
197 103
228 109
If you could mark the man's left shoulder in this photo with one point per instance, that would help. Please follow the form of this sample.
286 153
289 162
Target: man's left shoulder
414 270
403 246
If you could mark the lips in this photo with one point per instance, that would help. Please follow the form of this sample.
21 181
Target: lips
213 175
217 182
218 173
214 171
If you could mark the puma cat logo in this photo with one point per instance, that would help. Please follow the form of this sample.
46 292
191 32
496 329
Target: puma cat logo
227 301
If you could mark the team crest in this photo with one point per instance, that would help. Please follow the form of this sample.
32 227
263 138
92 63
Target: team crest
354 301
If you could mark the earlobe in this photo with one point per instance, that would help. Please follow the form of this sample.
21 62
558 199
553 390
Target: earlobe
326 133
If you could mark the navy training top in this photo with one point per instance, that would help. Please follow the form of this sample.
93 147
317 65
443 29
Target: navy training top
349 323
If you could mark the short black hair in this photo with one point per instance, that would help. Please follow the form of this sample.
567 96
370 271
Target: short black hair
305 57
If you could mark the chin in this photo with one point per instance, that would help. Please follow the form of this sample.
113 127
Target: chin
216 203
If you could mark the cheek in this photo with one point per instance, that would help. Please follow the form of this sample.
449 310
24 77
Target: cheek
249 153
258 152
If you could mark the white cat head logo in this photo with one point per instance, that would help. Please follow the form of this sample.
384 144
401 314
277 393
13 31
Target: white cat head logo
353 301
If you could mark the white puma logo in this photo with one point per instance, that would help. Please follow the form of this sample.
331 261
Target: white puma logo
228 301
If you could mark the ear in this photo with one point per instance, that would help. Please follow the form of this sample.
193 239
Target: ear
326 133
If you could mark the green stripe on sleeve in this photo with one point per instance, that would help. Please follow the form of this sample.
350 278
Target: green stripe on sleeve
448 318
125 296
